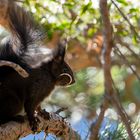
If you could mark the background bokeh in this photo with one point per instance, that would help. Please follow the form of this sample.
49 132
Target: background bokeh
80 22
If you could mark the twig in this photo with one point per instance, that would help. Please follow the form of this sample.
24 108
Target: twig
124 116
128 64
126 45
61 109
131 26
96 126
120 107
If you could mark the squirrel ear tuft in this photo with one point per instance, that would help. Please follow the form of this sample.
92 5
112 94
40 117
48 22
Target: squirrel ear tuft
59 52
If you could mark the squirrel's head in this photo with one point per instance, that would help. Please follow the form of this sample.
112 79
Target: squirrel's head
60 69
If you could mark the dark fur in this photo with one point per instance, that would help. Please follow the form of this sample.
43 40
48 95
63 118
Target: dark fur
24 48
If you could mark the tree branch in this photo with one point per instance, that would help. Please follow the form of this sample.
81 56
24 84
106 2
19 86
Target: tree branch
96 126
55 125
110 95
108 44
107 47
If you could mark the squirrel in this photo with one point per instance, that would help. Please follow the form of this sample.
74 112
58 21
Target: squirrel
46 67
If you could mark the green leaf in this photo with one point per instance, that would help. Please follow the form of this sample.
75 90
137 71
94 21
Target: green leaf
69 5
85 8
37 5
134 39
27 2
122 2
133 10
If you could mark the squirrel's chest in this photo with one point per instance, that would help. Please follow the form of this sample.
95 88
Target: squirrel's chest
41 88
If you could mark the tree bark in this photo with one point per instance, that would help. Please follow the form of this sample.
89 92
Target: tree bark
55 125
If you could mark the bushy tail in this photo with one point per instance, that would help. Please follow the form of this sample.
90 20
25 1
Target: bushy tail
24 31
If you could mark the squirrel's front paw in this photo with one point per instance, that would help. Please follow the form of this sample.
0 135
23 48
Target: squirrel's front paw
34 123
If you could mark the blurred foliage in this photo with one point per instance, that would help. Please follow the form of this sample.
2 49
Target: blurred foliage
81 19
71 16
118 132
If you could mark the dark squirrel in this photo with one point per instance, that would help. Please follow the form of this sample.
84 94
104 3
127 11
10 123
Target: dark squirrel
46 67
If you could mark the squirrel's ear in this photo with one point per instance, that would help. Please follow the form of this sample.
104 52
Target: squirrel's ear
59 53
65 79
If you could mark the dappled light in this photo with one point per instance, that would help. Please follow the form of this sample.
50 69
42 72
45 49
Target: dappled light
103 50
